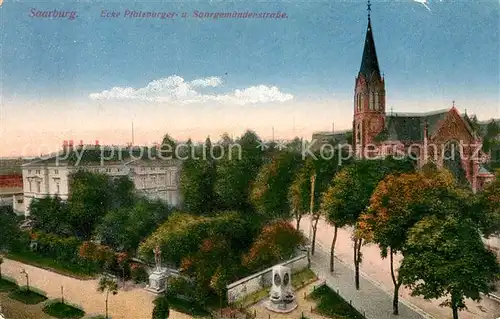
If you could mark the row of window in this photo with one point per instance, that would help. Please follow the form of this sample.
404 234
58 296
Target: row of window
374 101
38 172
39 187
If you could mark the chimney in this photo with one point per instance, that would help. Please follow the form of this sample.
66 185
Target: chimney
71 143
96 142
81 142
333 127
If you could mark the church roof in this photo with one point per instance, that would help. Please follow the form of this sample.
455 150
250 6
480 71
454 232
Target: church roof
369 61
410 127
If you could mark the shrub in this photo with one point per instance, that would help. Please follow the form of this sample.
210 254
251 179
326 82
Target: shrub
161 309
139 273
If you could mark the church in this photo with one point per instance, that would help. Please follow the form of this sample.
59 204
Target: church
446 138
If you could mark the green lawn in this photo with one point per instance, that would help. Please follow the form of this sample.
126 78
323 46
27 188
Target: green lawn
62 268
303 278
331 305
63 311
28 297
187 307
7 286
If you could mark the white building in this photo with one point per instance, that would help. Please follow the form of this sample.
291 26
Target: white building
153 178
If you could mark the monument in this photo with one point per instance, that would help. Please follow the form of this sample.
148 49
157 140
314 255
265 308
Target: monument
158 278
281 297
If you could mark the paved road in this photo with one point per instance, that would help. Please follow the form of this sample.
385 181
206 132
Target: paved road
371 299
377 270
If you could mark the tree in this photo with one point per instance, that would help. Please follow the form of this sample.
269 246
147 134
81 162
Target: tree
125 228
445 257
299 193
91 197
349 195
277 242
108 286
393 211
168 147
161 309
51 215
11 234
269 193
236 171
197 181
488 206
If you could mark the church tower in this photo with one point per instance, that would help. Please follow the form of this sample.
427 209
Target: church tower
369 96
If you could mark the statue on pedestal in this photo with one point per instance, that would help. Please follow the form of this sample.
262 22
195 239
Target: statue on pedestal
158 278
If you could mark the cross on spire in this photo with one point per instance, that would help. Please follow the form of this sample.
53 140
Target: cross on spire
369 9
453 103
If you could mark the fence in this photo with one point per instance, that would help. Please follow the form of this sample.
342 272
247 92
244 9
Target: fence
248 285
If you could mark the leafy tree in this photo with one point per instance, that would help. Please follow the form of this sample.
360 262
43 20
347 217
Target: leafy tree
168 147
124 228
11 234
269 193
51 214
161 309
393 211
299 193
108 286
236 171
488 206
349 195
197 181
90 199
445 257
277 241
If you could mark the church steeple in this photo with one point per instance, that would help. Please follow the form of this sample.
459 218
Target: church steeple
369 96
369 62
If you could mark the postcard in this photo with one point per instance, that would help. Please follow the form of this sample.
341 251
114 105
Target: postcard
249 159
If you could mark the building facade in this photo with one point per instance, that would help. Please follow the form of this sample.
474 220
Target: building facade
152 178
11 184
446 138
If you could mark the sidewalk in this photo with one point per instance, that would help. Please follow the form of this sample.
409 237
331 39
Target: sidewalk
370 300
376 271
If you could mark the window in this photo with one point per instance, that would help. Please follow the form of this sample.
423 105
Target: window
56 171
372 97
377 102
58 188
132 170
119 169
38 187
30 185
37 171
29 171
108 170
19 201
153 168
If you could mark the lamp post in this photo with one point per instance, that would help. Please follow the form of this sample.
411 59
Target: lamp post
23 271
311 208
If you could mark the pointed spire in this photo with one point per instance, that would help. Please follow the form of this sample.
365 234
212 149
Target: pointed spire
369 62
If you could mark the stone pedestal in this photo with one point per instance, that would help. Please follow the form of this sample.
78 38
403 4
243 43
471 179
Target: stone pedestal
157 281
281 298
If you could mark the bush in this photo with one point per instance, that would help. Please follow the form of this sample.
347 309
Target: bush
28 297
161 309
7 285
139 273
62 310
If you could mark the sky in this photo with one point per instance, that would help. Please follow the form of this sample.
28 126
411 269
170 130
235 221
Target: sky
88 78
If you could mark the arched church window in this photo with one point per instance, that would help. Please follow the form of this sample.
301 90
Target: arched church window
377 102
370 104
358 134
361 100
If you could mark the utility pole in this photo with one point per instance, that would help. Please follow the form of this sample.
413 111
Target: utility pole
311 209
